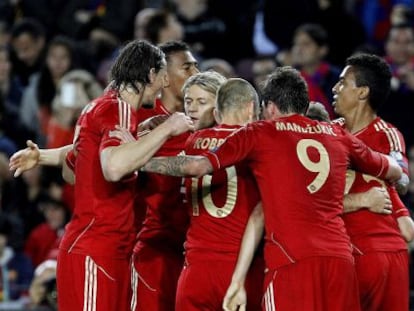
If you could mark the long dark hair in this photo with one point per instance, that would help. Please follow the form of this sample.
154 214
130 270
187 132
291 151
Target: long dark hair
134 63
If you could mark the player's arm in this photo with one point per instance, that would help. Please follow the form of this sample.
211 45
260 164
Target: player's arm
236 148
32 156
394 171
68 167
235 297
189 166
376 200
402 184
402 215
67 174
151 123
373 163
124 159
406 226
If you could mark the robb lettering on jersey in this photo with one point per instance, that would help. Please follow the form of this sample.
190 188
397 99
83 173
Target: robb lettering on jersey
207 143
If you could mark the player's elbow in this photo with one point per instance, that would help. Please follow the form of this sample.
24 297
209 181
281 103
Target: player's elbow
113 173
406 226
113 167
408 235
68 176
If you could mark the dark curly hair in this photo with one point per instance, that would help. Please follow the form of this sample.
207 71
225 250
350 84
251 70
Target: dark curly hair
134 63
287 89
372 71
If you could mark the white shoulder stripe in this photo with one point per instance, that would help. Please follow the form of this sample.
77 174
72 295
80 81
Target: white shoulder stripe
392 135
124 111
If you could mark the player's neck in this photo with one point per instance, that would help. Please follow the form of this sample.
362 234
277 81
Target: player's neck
131 98
359 118
172 102
233 120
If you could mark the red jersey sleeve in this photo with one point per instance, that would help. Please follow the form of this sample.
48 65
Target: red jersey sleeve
399 208
392 143
108 117
236 148
365 159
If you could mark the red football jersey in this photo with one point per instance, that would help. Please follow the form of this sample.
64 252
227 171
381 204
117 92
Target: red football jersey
300 166
220 204
102 222
161 197
158 109
371 231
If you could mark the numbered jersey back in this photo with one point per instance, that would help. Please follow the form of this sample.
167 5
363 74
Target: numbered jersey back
219 204
300 167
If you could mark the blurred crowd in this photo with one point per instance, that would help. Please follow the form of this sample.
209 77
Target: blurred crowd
55 56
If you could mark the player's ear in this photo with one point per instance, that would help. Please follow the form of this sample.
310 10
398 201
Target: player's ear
274 111
166 80
217 117
363 92
251 111
152 75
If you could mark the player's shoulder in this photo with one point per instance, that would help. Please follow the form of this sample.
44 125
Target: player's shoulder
109 104
202 132
388 134
380 125
338 122
259 125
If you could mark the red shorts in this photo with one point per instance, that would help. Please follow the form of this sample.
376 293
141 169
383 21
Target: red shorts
203 284
312 284
154 278
93 284
383 279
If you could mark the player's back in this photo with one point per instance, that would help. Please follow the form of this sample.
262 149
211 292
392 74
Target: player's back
299 165
220 204
302 178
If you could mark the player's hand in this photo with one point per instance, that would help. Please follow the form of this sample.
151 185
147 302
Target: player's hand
152 123
179 123
235 298
122 134
25 159
378 200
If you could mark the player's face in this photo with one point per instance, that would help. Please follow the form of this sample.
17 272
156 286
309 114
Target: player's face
199 106
181 65
153 89
346 93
